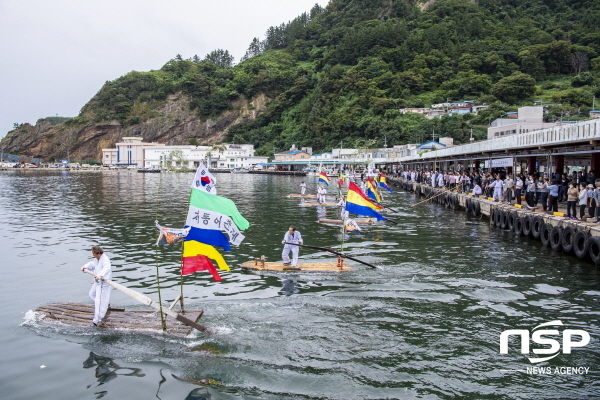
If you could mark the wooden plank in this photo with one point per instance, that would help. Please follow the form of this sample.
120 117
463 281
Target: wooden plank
135 320
339 221
149 302
304 267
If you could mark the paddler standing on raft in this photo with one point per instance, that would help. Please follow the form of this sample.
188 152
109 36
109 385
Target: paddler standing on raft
291 236
302 188
100 291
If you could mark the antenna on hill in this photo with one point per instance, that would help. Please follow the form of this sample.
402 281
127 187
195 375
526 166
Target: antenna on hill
433 135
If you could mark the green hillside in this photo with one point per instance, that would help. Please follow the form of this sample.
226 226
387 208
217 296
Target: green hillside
342 73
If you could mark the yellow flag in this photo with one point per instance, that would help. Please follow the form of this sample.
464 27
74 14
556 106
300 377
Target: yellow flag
192 248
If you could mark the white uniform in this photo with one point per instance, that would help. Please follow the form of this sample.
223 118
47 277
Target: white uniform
295 238
441 180
100 291
302 188
497 185
343 213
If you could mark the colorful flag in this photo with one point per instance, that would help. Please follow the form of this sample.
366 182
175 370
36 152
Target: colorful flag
192 248
170 235
192 264
372 191
204 180
383 183
222 205
206 219
341 179
212 237
358 203
324 178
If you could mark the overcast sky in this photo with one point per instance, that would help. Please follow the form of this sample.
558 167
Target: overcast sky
56 54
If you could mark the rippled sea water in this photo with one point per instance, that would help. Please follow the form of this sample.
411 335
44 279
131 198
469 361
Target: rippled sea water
425 324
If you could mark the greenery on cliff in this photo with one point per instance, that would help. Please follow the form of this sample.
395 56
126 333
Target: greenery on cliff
341 74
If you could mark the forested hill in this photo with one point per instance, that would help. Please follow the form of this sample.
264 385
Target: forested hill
342 73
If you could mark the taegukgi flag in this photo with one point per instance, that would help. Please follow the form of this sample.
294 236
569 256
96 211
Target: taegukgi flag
204 180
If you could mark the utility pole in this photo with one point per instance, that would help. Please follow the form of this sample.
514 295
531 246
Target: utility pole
471 139
384 141
433 135
341 144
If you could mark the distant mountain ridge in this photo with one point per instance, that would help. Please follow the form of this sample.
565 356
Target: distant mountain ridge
341 74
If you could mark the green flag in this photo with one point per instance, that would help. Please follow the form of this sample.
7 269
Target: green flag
212 202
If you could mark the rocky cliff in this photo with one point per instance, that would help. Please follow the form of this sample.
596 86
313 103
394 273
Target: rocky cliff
174 123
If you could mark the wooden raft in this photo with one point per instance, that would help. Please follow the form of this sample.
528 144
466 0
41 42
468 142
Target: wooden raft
258 265
81 315
307 196
307 204
367 221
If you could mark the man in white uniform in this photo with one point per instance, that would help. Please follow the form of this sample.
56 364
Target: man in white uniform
100 291
302 188
342 205
291 236
497 185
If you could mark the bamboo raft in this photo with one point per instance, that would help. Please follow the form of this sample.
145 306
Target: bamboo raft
305 196
81 315
367 221
307 204
258 265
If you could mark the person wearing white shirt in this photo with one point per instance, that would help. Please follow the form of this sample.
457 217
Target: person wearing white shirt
497 185
100 291
291 236
302 188
518 189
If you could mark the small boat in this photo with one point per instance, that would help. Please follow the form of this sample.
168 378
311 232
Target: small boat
367 221
81 315
261 265
239 170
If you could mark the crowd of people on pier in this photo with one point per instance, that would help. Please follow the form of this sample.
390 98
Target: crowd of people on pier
580 190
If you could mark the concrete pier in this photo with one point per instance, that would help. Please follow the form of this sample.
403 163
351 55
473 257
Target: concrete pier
576 237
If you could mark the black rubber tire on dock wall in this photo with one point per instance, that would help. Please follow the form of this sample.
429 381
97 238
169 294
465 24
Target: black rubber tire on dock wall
468 203
527 225
545 234
518 226
504 220
594 249
556 235
475 208
581 244
536 227
497 217
512 217
568 238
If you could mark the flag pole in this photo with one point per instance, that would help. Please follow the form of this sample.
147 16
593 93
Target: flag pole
160 308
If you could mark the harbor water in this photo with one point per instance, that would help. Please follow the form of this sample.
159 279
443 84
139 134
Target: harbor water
426 324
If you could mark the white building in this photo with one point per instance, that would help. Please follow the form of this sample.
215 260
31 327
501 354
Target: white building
529 119
129 152
134 152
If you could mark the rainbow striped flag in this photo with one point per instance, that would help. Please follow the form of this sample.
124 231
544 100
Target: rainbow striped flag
358 203
324 178
383 184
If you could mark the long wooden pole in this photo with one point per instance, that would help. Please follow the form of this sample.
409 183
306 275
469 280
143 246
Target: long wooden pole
334 252
432 197
149 302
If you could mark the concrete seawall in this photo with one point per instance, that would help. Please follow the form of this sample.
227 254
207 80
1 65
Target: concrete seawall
575 237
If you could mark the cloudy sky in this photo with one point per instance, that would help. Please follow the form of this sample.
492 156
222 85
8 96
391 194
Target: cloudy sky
56 54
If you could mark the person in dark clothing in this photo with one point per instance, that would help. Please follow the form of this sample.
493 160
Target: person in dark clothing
564 185
591 178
